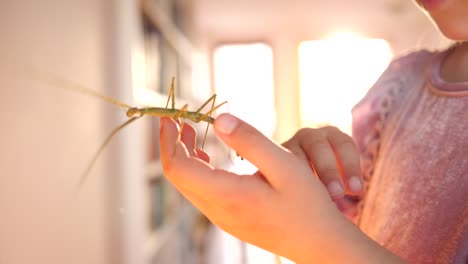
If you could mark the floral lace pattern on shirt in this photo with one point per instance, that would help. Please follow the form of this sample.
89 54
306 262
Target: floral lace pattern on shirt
370 115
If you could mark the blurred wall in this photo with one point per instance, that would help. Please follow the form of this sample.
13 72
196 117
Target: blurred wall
49 135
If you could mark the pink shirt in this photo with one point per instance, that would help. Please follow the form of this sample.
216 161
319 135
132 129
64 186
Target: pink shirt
412 132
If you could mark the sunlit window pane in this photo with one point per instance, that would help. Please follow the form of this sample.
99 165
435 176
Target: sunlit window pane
243 75
335 74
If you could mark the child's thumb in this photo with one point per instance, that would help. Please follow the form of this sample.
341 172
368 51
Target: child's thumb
273 160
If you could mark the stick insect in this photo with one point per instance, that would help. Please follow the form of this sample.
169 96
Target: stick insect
134 113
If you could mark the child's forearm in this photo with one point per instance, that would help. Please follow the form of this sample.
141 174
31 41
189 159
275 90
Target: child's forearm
344 244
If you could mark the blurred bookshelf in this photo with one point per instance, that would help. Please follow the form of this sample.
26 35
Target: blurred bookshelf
175 228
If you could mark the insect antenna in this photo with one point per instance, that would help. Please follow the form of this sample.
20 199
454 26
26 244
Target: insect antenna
62 83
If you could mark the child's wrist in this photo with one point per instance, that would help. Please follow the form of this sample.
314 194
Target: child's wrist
312 241
324 244
341 241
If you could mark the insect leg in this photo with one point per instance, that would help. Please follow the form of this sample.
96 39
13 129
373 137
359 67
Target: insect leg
202 117
101 148
180 113
207 124
212 98
213 108
171 95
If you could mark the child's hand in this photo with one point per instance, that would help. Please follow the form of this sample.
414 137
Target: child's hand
286 210
335 160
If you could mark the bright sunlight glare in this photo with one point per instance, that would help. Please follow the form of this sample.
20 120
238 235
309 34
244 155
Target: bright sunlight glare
335 73
243 75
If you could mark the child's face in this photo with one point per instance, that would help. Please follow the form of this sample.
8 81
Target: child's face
451 16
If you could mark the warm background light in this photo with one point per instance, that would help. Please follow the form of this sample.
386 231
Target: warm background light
335 73
243 75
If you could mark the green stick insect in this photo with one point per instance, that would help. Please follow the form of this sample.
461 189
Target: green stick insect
134 113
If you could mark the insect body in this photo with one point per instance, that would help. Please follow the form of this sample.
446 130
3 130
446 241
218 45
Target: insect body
165 112
134 113
174 113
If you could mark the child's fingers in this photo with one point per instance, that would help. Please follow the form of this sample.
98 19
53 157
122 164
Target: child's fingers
203 155
188 136
333 156
348 158
347 206
271 159
295 149
191 173
315 145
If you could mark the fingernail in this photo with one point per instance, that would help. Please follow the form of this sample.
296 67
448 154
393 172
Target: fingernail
355 184
226 123
335 189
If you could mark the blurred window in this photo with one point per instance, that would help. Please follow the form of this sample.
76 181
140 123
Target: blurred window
243 75
335 73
